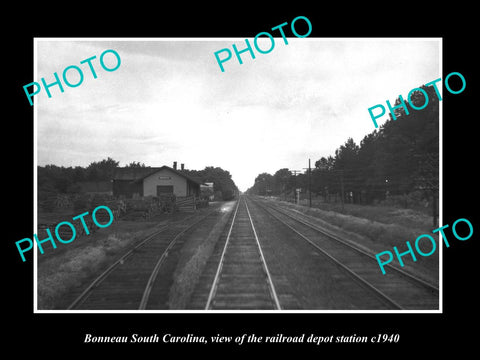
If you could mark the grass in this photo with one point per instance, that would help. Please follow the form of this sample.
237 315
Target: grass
377 229
66 269
417 219
385 233
59 275
193 258
380 224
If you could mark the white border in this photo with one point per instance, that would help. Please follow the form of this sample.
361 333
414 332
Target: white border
35 207
35 185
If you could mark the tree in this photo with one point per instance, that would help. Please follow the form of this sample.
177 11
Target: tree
264 184
325 163
102 170
399 158
52 176
134 164
222 179
281 180
347 170
346 155
324 178
371 176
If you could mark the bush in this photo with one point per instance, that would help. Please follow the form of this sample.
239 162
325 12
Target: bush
414 200
82 203
48 204
228 195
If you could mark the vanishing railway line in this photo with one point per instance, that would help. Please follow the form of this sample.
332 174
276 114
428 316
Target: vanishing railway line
128 283
247 271
242 279
399 290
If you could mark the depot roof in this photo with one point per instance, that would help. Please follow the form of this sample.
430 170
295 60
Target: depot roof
140 173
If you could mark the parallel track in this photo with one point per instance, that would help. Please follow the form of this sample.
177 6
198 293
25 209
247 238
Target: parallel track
127 284
242 280
399 289
239 276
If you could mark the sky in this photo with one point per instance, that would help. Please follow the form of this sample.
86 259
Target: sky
169 101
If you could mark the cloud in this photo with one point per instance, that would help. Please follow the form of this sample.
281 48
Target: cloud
169 101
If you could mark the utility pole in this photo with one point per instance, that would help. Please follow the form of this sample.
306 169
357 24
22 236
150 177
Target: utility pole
295 184
309 184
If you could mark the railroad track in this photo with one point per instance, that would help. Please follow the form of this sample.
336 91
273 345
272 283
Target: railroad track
129 282
242 280
399 290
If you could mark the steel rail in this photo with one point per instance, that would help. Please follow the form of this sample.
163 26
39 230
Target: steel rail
317 228
98 280
273 293
158 265
213 288
354 275
83 296
271 287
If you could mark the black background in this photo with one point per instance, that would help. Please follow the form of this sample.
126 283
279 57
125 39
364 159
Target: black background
63 334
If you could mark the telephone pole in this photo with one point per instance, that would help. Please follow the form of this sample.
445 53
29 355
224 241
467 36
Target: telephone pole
309 184
295 185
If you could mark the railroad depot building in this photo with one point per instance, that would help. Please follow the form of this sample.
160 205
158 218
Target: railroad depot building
153 181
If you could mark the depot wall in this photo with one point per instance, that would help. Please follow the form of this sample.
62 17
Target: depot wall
164 178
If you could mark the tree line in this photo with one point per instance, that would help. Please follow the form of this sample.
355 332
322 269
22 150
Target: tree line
222 180
400 159
67 180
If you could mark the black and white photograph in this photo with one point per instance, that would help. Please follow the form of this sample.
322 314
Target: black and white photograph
255 186
218 179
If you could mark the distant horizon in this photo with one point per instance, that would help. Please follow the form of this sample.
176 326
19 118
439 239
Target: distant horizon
168 101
